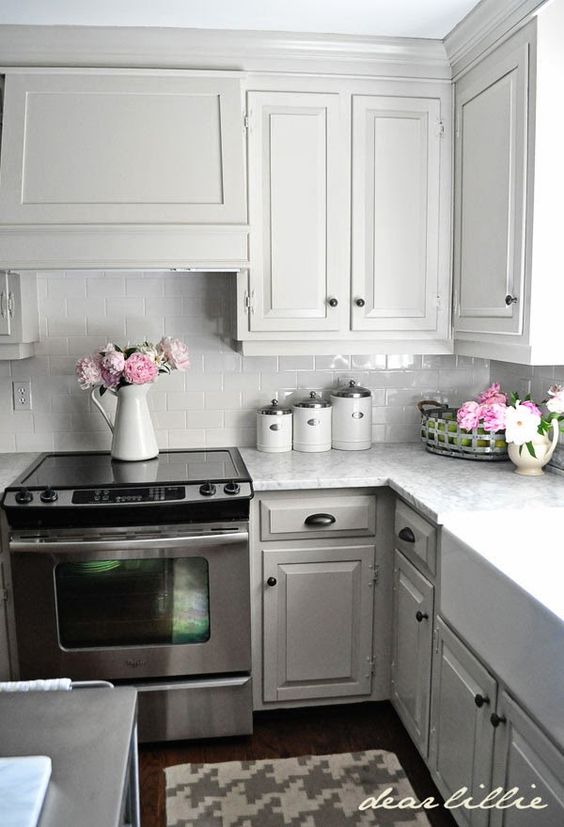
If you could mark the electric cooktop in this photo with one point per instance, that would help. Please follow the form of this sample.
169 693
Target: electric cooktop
91 487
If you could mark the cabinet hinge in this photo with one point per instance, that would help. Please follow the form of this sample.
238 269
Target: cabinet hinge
250 301
440 129
438 302
375 577
3 595
436 641
371 665
246 121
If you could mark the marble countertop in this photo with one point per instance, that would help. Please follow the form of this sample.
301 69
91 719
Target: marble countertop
436 486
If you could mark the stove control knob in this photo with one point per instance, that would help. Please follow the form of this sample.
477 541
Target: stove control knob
49 496
207 489
24 496
232 487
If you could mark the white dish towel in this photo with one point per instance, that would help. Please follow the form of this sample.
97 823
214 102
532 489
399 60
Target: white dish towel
36 686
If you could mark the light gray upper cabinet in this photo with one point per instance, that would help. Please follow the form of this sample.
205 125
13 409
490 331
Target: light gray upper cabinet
295 209
491 131
349 212
317 614
461 742
395 213
121 167
19 319
509 181
411 649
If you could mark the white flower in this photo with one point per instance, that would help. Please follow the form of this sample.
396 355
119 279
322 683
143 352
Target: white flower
521 424
556 403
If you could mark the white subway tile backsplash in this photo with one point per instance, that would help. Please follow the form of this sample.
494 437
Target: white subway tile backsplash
214 403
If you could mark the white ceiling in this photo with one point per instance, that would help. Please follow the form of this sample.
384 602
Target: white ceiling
399 18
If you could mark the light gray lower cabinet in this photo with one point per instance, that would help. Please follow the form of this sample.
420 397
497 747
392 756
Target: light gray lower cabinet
412 649
317 621
525 758
462 736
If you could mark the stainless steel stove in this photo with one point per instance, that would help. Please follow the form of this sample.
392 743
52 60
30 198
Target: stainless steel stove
139 573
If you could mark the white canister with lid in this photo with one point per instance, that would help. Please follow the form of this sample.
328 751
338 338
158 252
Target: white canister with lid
312 424
274 428
352 417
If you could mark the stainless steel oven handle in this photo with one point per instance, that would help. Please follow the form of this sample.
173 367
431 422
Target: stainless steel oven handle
116 545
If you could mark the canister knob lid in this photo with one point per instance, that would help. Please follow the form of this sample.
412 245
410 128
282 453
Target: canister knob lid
351 391
313 400
275 409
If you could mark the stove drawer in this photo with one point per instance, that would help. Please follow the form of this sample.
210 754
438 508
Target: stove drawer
294 518
175 710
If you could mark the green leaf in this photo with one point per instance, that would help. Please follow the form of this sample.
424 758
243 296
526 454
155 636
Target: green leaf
531 449
513 398
520 449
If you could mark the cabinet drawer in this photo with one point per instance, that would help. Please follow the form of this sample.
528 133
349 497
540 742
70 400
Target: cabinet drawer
416 538
317 517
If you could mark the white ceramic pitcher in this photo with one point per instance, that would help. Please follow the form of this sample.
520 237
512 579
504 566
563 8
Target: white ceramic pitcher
529 466
133 433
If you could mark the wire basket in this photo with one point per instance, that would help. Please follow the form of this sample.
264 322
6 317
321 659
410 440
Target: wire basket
442 434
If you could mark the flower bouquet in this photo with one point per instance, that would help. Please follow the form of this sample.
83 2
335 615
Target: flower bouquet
113 367
129 373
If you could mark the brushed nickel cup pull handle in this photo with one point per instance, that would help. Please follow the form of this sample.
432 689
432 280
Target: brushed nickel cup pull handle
509 299
320 520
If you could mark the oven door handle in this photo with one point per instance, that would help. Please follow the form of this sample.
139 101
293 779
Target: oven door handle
77 546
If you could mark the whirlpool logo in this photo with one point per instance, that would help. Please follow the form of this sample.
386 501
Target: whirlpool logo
135 662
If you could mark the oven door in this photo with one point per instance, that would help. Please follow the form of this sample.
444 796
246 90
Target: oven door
132 603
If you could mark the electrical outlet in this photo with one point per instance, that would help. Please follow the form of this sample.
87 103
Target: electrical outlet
22 395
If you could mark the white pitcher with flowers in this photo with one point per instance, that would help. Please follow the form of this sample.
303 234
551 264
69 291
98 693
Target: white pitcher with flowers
129 373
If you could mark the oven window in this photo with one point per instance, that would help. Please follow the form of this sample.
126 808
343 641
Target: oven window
106 603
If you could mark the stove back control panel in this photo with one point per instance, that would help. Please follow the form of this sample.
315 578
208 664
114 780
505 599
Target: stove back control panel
133 495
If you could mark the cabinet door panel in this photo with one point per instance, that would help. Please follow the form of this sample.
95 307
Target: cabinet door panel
117 147
318 622
396 185
412 649
491 124
295 209
526 759
461 742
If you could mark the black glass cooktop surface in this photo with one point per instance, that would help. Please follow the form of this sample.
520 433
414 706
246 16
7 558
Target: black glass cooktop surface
84 470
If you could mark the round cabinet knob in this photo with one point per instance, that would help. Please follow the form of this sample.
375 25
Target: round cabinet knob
333 302
272 581
509 299
419 616
496 719
23 496
480 700
232 487
49 496
207 489
360 302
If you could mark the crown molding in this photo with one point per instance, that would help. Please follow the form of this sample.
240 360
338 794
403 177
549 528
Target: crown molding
485 25
251 51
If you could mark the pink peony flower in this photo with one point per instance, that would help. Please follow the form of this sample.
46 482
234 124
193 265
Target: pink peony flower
88 371
113 362
492 396
175 352
556 402
531 406
493 417
468 415
140 369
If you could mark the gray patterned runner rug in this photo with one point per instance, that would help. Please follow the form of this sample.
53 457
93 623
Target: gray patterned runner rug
309 791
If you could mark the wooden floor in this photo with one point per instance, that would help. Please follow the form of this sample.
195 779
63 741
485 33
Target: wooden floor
287 733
